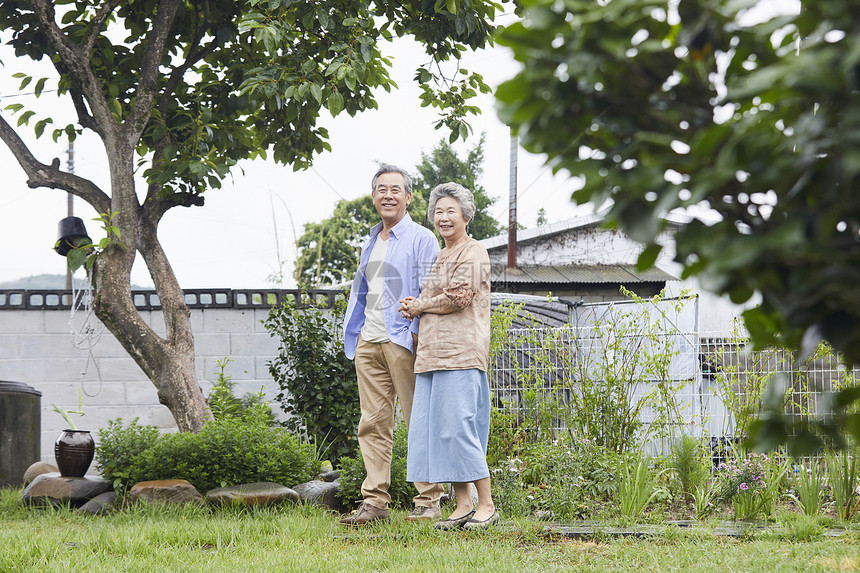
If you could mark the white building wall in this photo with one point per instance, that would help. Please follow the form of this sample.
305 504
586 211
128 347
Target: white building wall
37 347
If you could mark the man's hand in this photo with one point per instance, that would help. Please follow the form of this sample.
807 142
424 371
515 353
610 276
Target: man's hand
410 307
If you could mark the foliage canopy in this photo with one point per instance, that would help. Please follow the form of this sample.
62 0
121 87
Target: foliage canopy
693 105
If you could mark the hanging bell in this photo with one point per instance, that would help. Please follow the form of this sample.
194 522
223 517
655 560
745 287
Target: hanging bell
72 233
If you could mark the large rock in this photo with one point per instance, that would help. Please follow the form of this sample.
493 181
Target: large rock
103 503
260 493
165 491
54 489
319 493
38 469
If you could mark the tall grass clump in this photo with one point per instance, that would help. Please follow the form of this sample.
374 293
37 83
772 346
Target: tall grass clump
810 489
843 470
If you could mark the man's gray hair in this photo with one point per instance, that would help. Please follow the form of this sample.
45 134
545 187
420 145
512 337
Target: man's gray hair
463 196
391 169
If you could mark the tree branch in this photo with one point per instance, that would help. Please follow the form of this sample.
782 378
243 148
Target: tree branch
41 175
102 15
147 87
85 118
76 58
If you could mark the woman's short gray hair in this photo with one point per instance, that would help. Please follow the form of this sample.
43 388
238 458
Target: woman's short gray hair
463 196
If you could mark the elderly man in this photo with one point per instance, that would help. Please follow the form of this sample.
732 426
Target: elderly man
394 262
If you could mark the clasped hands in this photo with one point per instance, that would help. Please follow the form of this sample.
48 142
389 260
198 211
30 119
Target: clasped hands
410 307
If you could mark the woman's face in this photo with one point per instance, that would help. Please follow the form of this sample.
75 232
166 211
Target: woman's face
448 220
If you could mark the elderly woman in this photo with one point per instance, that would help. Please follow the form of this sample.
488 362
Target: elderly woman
450 422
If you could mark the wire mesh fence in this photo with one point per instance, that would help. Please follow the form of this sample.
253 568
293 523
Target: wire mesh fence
637 374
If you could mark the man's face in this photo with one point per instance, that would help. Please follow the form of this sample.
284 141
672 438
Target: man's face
390 198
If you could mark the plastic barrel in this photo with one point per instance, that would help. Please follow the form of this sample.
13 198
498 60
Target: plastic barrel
20 431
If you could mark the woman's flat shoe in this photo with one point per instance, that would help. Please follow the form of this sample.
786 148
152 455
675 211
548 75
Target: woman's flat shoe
475 524
455 523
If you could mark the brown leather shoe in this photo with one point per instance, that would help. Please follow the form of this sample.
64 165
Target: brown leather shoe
365 514
421 513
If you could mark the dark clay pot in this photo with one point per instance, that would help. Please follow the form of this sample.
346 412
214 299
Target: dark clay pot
74 451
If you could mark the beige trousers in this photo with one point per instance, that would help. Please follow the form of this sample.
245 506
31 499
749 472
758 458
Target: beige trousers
385 374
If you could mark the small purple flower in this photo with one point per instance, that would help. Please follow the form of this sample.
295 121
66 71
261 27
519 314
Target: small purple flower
744 486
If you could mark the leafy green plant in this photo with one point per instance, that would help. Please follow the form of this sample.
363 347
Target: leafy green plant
843 469
224 452
810 487
567 493
703 497
319 389
66 414
352 474
507 437
509 491
225 405
777 469
750 482
635 489
689 466
586 378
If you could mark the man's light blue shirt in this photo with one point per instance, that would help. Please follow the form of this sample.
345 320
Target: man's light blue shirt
409 257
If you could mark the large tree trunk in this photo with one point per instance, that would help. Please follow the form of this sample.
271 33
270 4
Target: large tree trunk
168 361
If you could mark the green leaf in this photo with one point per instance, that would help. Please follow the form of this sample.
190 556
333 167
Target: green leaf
335 103
40 127
40 85
76 258
116 109
767 435
648 257
25 117
316 91
349 78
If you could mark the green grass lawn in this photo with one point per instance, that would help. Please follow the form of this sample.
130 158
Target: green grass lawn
306 539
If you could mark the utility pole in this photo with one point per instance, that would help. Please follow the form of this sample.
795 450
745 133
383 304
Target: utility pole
512 205
70 204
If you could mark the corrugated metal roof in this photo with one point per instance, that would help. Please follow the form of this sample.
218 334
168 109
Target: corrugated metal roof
593 274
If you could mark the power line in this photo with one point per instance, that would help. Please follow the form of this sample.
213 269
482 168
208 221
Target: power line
327 183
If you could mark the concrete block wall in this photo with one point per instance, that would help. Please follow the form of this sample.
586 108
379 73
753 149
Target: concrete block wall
51 351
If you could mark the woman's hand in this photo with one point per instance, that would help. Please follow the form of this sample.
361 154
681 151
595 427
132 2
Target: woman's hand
410 307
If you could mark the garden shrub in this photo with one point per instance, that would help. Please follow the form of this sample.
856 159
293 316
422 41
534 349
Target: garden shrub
352 474
567 478
224 452
224 404
319 389
752 484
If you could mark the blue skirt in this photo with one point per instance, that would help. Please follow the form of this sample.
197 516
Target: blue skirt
449 427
